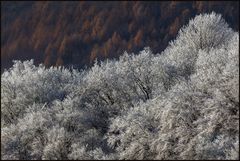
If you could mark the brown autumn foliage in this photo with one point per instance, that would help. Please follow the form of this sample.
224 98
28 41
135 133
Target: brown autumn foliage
76 33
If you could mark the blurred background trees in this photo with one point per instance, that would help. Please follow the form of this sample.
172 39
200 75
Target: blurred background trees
75 33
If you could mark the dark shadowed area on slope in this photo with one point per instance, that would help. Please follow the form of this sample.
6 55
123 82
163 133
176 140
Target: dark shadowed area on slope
75 33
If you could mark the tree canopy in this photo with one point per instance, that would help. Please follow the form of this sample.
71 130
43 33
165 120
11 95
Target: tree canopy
180 104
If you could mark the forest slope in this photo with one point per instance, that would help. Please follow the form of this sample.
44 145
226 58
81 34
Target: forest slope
180 104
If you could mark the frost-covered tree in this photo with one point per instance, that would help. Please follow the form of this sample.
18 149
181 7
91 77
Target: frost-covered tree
25 84
27 138
132 132
204 32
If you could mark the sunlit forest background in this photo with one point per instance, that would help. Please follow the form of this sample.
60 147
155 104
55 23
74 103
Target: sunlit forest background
76 33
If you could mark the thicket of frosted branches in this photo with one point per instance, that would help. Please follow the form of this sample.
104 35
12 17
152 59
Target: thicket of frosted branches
180 104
